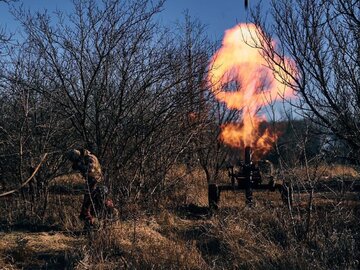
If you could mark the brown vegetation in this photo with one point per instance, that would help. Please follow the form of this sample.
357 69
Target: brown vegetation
111 78
181 233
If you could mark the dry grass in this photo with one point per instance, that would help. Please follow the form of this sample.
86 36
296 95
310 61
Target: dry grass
183 234
21 249
336 170
138 244
38 242
324 172
190 187
73 179
71 183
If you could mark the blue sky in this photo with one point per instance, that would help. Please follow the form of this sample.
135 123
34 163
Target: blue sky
217 15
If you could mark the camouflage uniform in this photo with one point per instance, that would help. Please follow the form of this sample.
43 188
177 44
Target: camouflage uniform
90 169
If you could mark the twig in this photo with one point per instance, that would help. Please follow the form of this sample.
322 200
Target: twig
28 180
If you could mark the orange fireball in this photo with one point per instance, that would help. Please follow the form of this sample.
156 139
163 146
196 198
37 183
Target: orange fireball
239 77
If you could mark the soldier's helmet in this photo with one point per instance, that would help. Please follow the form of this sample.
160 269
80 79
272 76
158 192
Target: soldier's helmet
73 155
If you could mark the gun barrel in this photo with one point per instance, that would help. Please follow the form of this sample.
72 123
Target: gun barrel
248 155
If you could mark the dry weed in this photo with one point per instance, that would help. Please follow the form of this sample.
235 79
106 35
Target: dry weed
35 249
135 244
326 171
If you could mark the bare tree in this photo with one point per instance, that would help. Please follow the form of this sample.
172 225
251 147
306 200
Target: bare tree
4 36
322 38
108 75
211 151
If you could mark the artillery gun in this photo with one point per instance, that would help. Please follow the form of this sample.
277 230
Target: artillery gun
248 177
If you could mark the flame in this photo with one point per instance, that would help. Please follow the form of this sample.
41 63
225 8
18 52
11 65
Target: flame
239 77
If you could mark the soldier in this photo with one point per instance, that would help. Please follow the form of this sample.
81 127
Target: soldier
94 199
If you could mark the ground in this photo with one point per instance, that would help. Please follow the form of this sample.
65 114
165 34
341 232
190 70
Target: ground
187 235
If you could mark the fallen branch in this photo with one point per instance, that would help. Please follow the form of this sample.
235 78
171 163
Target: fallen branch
28 180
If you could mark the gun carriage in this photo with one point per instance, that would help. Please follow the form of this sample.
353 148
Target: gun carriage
250 176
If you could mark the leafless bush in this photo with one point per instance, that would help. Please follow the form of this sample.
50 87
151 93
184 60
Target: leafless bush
322 38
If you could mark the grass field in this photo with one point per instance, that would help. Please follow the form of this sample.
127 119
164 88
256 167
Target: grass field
181 232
